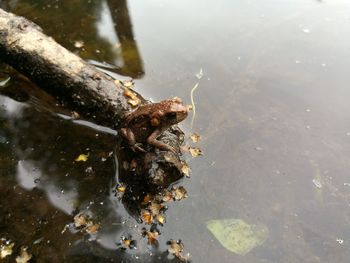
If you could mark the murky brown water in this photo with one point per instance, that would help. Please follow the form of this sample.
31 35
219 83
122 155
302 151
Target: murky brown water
272 107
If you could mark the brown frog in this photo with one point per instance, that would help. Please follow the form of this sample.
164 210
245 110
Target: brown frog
149 121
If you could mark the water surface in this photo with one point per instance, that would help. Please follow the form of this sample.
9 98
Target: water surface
272 108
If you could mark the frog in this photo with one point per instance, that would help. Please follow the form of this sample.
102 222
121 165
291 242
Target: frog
149 121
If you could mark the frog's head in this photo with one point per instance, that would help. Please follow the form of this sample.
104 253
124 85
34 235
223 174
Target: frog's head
171 111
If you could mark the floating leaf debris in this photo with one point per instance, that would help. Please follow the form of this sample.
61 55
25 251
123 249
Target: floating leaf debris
195 152
83 222
5 248
195 137
185 169
176 248
82 158
179 193
24 256
151 235
126 242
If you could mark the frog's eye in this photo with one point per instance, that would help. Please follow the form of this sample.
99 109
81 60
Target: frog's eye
171 115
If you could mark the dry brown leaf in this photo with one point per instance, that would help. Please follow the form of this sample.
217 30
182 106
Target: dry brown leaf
167 196
179 193
147 199
195 151
155 208
92 228
195 137
160 219
24 256
5 248
146 217
151 236
121 188
176 248
80 220
127 242
185 169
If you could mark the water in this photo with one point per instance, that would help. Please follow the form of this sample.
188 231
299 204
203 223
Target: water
271 107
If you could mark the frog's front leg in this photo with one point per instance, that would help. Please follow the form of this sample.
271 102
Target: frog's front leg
130 137
152 140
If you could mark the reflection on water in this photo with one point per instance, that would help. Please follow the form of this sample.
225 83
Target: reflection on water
272 108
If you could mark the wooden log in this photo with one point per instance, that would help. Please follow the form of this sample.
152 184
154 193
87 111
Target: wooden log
81 87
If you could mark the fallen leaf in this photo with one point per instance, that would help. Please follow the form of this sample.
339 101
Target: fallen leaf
155 208
146 217
120 188
82 158
24 256
176 248
80 220
151 236
195 151
92 228
236 235
160 219
127 242
6 248
179 193
147 199
195 137
167 196
185 169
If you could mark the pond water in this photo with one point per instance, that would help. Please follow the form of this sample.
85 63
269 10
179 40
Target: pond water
272 108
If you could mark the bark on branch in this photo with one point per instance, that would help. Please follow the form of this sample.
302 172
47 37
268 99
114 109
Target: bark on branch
81 87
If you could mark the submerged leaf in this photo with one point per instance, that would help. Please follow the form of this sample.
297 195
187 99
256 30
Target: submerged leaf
236 235
6 249
24 257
